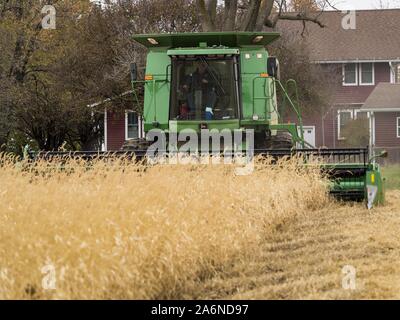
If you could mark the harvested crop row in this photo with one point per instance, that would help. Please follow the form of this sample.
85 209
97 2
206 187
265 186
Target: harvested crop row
123 230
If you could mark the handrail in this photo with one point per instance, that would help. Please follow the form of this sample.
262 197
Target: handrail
295 109
286 97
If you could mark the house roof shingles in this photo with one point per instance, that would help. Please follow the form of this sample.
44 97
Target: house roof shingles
376 37
386 96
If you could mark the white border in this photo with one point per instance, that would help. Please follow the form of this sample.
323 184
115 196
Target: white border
360 75
105 130
139 129
371 132
354 61
357 111
392 72
343 75
382 109
395 69
398 127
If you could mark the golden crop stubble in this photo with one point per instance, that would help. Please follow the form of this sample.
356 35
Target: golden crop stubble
123 230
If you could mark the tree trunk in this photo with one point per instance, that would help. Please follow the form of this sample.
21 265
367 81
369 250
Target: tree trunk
250 18
265 11
206 21
230 15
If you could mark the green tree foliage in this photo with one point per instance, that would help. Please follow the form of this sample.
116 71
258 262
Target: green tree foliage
39 80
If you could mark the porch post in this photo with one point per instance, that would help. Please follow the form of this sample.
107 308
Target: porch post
105 130
372 134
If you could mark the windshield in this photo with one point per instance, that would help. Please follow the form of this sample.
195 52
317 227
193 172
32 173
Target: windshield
204 88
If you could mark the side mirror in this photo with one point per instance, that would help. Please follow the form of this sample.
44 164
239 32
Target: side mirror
273 67
133 71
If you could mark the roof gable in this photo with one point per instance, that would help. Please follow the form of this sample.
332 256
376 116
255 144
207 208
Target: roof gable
385 97
376 37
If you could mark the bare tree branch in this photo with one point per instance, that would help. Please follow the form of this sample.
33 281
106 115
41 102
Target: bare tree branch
265 10
302 17
250 18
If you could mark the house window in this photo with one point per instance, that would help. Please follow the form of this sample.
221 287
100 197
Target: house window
398 127
132 125
360 114
344 117
350 74
396 73
367 74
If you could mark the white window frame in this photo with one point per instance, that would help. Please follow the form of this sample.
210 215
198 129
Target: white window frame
360 74
395 72
126 124
392 67
344 78
351 111
398 127
357 111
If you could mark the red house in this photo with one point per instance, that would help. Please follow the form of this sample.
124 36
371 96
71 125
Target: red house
367 56
119 127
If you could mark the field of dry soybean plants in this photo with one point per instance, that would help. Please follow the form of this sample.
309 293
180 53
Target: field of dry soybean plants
122 230
125 230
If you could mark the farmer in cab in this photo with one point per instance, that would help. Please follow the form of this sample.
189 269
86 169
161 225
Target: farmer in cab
201 91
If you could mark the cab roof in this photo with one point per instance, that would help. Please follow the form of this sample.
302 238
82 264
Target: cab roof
190 40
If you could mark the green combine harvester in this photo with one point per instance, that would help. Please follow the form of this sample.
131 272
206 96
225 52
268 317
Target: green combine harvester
227 82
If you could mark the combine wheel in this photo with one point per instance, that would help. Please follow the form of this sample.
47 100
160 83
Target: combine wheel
282 140
135 144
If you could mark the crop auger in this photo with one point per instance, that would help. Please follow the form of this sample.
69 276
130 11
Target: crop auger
226 82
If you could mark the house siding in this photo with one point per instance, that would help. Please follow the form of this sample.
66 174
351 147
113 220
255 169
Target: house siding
386 136
345 97
359 94
115 130
385 129
326 125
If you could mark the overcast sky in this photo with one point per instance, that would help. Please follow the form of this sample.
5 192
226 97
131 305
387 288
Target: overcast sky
365 4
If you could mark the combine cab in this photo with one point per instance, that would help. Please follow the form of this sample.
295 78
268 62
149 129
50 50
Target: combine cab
227 82
214 81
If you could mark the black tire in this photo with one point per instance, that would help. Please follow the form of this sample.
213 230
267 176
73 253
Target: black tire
282 140
135 144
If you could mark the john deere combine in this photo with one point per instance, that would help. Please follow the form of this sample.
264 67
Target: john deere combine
220 81
228 82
